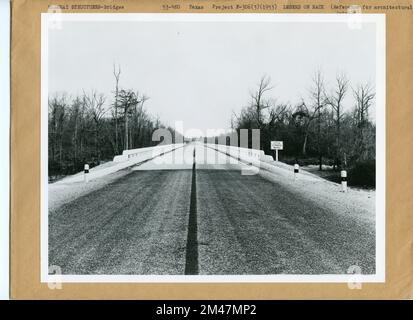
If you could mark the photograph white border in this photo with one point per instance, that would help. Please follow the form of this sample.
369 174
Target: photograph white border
4 148
378 19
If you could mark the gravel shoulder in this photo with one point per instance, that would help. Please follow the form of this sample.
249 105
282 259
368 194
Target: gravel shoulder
356 203
61 193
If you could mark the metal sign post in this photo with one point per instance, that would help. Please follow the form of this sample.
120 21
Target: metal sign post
277 145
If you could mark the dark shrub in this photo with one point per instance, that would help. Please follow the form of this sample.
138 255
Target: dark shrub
363 174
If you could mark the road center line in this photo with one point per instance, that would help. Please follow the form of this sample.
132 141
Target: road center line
191 265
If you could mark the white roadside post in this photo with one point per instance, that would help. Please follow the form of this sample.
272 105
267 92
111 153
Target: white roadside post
344 180
296 170
86 173
277 145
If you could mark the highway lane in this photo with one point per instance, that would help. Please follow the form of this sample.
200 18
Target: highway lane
248 225
135 225
244 224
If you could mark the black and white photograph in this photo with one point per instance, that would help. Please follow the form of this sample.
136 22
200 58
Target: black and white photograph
212 148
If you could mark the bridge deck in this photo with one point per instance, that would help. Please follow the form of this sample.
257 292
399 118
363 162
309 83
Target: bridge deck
244 224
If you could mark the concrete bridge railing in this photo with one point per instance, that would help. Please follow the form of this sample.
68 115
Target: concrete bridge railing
142 154
245 154
258 159
127 159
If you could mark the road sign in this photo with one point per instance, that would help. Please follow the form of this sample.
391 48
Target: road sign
277 145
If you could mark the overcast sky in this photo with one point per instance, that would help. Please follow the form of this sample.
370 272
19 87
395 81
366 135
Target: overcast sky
198 72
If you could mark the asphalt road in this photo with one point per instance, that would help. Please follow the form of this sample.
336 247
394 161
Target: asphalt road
166 218
136 225
248 225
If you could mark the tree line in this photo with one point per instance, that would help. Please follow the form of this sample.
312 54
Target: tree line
319 129
92 127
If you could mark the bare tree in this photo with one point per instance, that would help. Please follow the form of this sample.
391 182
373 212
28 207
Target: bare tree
116 74
263 113
95 104
128 100
317 95
57 119
137 118
258 102
335 100
364 96
278 113
76 118
307 114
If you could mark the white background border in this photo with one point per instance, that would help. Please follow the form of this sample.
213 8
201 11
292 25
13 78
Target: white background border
378 19
4 146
